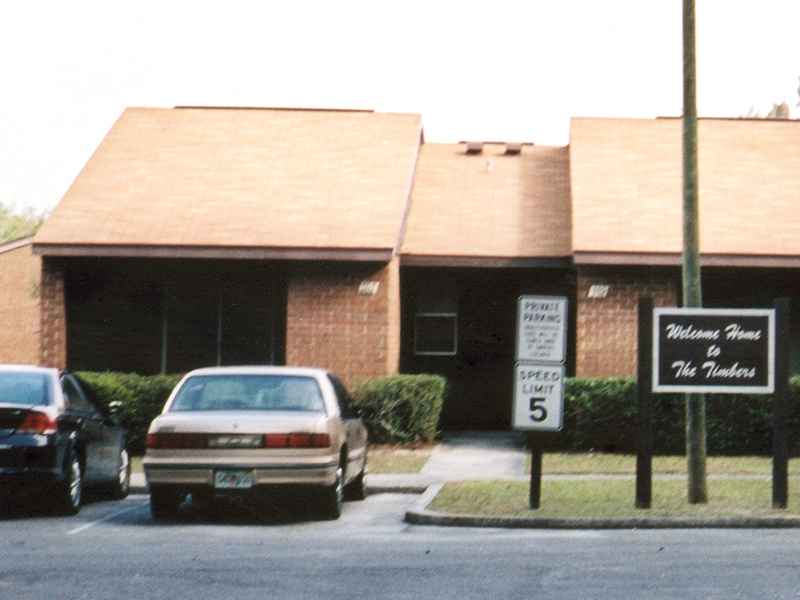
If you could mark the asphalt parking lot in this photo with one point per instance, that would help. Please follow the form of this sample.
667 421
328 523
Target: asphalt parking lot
115 550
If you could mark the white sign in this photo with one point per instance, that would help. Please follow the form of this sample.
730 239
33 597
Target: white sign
542 329
538 397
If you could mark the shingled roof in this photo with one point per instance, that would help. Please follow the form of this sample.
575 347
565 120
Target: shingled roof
241 183
508 208
627 201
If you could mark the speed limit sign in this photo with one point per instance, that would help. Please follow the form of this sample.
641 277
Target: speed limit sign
538 397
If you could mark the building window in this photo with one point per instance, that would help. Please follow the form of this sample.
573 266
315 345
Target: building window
436 316
436 334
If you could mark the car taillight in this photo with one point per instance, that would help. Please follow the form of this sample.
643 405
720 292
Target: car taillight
297 440
177 441
37 422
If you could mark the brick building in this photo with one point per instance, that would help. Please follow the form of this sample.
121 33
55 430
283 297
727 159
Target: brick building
341 239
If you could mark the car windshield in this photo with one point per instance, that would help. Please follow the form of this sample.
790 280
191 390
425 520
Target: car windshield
249 392
24 389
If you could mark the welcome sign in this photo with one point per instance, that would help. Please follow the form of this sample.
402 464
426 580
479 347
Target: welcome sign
723 351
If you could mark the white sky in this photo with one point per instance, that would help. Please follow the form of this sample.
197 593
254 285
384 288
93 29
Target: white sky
488 69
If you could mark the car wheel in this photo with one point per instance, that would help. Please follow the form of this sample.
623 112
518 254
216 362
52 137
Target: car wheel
122 484
333 497
356 489
164 502
70 491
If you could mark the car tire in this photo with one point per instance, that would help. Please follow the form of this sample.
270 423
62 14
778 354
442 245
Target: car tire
122 484
70 491
333 497
356 489
164 502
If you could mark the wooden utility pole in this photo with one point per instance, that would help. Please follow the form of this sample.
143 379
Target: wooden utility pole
692 295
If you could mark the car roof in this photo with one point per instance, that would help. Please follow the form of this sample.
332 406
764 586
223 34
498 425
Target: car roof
260 370
27 369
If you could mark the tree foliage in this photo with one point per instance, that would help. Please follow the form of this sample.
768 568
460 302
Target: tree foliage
18 224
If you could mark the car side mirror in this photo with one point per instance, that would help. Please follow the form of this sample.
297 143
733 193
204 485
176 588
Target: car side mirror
114 410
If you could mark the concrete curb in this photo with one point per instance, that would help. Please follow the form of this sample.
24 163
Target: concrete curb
420 515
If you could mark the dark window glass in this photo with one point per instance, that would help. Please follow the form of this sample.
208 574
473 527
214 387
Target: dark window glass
24 389
249 392
435 334
74 396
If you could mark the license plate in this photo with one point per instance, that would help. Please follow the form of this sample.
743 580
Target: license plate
233 480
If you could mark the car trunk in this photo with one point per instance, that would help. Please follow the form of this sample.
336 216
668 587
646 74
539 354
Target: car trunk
10 418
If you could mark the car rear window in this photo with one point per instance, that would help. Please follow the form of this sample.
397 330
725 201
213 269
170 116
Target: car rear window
24 389
249 392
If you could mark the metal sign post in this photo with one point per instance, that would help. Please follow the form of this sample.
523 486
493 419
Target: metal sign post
644 450
780 445
539 375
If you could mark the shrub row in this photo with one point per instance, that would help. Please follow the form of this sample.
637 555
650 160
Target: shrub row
402 408
601 414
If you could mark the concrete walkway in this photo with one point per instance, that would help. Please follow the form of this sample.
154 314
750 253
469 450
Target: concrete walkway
470 455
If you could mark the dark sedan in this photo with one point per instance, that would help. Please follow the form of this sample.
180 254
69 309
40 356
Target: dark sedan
56 440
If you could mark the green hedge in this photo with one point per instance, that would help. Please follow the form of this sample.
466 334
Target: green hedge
140 399
401 408
601 414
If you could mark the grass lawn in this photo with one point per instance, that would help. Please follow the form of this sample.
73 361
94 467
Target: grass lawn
381 459
391 459
612 498
598 463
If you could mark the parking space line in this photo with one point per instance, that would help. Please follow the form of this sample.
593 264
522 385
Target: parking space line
106 518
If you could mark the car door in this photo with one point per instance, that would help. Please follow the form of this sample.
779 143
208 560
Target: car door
355 431
113 436
90 429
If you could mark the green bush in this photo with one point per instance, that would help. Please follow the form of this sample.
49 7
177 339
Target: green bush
139 399
602 414
401 408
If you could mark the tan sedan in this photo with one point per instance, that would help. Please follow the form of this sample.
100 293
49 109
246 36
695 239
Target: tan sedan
236 430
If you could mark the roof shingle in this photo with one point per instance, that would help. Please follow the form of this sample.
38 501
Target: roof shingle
627 186
243 178
490 204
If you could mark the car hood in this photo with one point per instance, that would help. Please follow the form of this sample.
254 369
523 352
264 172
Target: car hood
239 422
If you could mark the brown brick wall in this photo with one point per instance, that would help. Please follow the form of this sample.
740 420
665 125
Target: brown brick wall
607 327
53 315
20 276
330 325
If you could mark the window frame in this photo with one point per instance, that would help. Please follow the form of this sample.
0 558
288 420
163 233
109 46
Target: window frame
86 405
343 398
451 315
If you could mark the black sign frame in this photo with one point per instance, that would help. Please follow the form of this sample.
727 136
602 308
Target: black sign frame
715 359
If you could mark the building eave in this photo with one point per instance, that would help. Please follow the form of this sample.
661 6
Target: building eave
382 255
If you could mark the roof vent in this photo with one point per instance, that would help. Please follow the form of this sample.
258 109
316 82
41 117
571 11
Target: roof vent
474 148
513 148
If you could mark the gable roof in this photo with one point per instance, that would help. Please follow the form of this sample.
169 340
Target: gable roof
626 180
509 207
241 182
